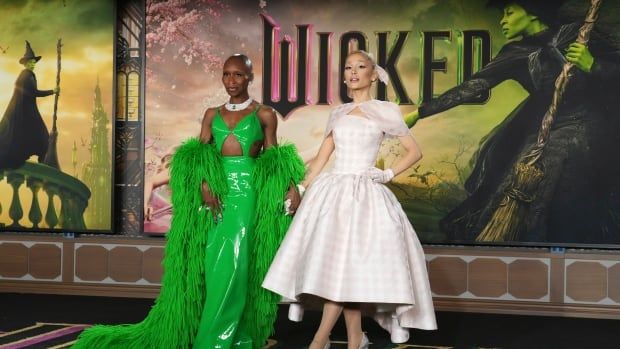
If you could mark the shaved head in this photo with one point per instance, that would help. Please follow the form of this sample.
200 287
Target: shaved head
245 60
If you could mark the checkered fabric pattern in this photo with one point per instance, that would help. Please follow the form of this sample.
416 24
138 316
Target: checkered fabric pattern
350 240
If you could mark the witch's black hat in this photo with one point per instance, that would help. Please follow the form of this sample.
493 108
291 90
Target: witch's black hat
28 55
545 10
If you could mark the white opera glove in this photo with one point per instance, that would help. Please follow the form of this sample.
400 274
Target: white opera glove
378 175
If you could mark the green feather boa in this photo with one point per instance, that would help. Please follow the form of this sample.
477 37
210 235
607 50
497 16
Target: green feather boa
276 169
173 321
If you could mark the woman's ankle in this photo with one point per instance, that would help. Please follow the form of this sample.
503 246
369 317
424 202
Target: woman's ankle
319 341
355 339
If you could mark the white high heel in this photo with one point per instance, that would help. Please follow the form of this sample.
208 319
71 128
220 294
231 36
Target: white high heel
398 334
365 342
295 312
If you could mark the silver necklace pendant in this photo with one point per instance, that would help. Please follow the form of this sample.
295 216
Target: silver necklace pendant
238 106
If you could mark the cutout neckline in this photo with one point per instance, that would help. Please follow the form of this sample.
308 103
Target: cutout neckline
243 118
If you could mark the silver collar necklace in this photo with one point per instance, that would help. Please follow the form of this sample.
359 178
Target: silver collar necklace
238 106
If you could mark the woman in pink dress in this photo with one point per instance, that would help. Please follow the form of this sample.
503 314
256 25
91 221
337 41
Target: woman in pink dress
157 208
350 244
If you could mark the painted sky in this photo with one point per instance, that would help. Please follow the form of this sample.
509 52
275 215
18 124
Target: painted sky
87 31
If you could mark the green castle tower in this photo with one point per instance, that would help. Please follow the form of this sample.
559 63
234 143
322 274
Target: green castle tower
97 173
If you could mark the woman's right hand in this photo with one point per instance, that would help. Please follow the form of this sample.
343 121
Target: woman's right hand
211 201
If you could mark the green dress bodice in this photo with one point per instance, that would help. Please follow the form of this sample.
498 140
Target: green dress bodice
247 131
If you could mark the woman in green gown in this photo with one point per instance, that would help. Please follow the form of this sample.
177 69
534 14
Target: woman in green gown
228 189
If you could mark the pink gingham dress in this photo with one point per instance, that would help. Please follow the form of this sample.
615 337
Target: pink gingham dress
350 240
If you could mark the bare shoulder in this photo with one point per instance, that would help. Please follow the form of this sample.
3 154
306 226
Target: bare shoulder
209 114
267 115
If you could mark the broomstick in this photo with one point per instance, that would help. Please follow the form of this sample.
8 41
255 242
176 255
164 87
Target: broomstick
51 157
508 219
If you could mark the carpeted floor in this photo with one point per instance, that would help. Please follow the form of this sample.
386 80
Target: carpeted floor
59 336
41 335
47 321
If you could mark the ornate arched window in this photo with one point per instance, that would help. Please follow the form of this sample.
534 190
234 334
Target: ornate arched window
129 125
129 57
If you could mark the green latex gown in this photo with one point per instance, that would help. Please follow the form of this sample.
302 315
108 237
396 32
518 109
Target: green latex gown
211 294
227 258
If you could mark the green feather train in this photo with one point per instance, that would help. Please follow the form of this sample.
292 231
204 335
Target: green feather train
174 319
